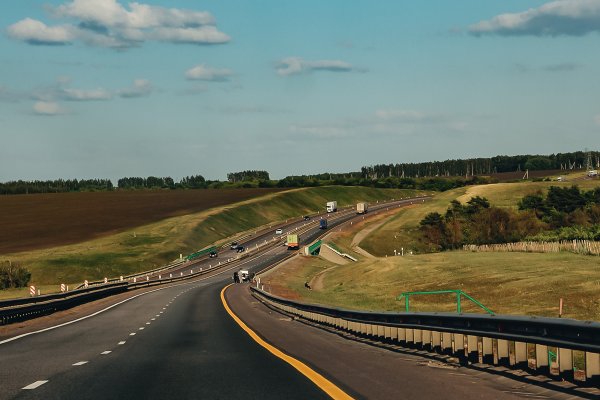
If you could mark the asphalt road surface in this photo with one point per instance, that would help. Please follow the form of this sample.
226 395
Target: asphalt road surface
178 342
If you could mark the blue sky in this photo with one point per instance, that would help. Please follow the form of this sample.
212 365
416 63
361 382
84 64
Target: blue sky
107 88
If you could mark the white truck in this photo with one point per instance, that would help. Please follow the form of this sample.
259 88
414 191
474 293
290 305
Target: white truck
362 208
331 206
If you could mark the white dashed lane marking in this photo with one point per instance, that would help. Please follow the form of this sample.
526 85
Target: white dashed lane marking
132 334
77 364
106 352
142 328
121 342
34 385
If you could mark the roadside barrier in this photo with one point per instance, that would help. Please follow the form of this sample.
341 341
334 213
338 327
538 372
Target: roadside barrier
518 342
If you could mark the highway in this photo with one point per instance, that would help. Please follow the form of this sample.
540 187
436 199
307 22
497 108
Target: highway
179 342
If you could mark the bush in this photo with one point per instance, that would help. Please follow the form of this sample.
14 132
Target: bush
13 276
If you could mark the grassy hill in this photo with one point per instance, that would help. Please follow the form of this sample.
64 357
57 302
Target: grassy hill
141 248
508 283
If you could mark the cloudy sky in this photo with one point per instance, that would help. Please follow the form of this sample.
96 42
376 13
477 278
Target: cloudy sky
110 88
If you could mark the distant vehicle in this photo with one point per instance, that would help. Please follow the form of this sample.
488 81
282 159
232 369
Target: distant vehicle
293 242
279 231
244 275
240 248
331 206
323 224
212 254
306 217
362 208
592 174
234 245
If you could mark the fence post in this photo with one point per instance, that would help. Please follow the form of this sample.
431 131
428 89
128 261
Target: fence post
487 350
542 365
503 353
592 368
565 364
520 355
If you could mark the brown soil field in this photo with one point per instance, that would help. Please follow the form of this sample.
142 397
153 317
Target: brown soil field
37 221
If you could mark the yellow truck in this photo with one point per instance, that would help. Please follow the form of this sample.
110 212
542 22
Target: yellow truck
293 242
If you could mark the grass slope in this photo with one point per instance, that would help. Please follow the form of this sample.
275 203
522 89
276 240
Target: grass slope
508 283
149 246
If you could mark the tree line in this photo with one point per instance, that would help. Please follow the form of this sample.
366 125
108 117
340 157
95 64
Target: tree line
55 186
563 213
483 166
245 176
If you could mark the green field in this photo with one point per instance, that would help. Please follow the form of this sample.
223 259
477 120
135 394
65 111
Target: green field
146 247
507 283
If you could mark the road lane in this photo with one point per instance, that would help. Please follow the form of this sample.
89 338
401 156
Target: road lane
195 350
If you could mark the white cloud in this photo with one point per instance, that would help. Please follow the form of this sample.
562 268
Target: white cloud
36 32
86 95
296 65
48 108
562 17
203 72
140 88
107 23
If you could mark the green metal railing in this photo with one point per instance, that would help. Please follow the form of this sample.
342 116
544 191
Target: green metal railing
316 246
459 294
201 253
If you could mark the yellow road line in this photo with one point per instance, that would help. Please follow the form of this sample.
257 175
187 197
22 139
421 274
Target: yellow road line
323 383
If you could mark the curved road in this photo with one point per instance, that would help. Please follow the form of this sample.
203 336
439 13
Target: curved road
178 342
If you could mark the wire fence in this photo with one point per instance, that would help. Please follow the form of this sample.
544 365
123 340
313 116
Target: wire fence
586 247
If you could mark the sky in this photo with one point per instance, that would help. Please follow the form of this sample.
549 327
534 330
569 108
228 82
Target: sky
110 88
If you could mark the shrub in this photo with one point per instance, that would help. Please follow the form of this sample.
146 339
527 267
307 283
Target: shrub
13 276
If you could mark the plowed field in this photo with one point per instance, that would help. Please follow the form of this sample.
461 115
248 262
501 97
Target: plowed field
37 221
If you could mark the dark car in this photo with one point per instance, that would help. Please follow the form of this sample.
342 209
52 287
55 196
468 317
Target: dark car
234 245
306 217
212 254
240 248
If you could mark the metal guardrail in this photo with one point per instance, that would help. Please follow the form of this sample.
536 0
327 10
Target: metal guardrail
478 338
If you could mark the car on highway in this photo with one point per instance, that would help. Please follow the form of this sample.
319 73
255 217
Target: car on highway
240 249
234 245
306 217
279 231
212 254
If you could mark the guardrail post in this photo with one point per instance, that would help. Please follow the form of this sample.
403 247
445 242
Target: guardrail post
446 343
542 365
436 341
520 355
402 336
410 337
387 332
592 369
565 364
459 347
418 338
426 338
472 351
381 331
487 350
503 353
